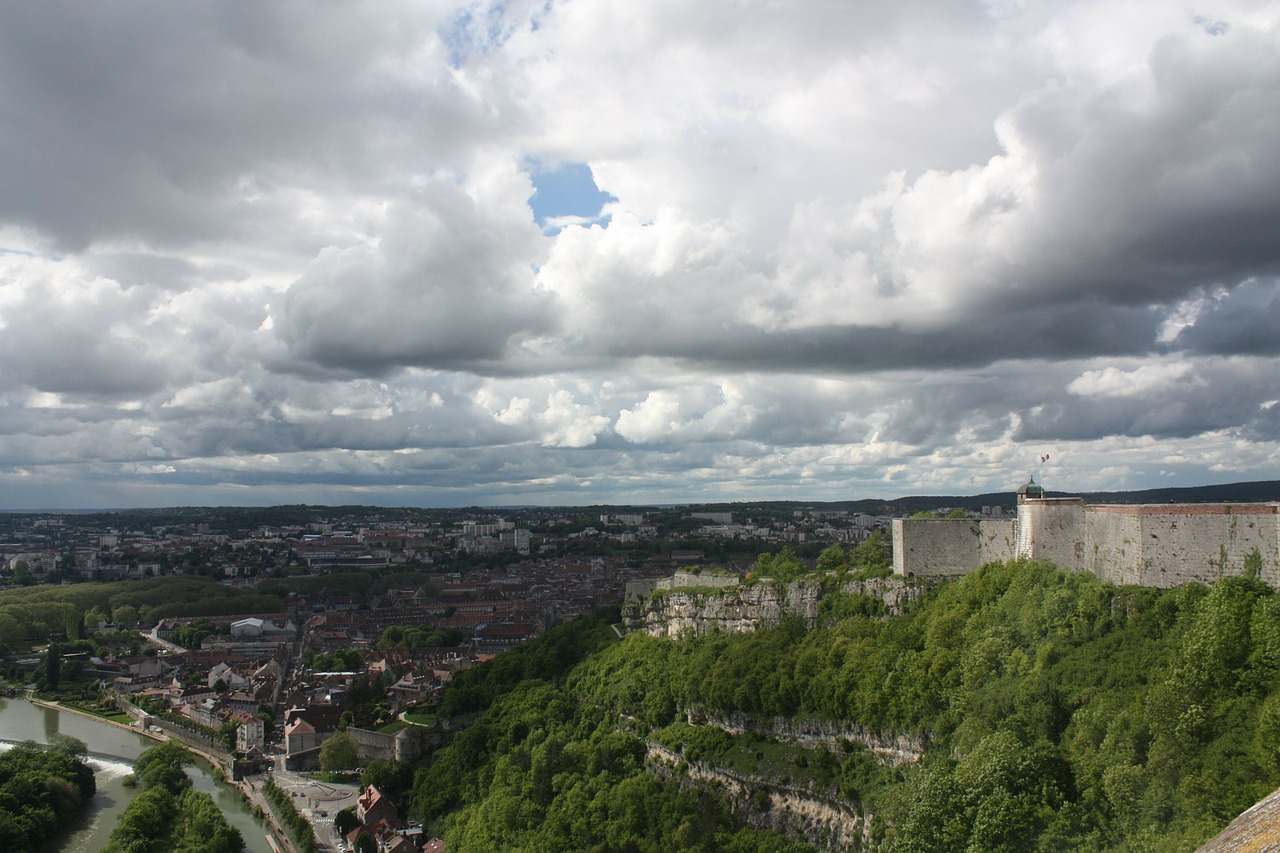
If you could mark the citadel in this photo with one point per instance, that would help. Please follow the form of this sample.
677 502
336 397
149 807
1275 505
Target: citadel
1157 545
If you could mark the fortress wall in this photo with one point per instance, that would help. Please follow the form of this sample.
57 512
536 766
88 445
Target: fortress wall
936 547
1197 542
1159 545
1053 529
997 540
1114 546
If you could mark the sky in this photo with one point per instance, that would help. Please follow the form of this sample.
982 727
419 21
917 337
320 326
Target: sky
573 252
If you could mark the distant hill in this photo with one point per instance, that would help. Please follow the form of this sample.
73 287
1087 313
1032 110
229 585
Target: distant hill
1255 492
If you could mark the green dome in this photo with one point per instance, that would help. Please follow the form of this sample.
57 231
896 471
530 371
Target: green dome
1031 489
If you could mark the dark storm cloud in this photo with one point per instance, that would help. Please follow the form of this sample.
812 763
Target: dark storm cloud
1245 320
849 248
140 119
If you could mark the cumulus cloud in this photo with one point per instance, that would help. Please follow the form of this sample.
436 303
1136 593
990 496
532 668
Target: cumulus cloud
289 252
443 282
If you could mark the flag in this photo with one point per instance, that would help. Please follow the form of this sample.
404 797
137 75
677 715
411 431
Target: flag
1044 459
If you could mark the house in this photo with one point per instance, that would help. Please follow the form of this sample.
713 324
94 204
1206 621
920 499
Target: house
374 806
300 736
250 734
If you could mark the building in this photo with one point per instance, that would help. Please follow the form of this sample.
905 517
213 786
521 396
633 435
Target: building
250 734
1158 545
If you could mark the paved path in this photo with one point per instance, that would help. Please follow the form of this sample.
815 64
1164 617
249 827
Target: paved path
318 802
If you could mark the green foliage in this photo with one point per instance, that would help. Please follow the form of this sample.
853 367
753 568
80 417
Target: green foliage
393 778
341 660
52 666
548 658
1152 713
1057 713
339 753
784 567
300 831
168 815
414 636
345 820
40 792
35 614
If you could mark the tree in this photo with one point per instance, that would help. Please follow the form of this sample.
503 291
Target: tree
72 622
227 734
53 666
68 745
833 559
346 820
268 716
125 615
339 753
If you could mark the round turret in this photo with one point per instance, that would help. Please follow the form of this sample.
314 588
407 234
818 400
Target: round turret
1030 491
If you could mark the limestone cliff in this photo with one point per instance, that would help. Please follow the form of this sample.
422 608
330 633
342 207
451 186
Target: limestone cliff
824 821
742 608
736 609
815 732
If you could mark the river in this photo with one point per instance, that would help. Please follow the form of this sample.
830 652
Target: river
112 751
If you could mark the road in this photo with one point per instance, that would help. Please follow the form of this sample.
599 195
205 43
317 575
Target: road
318 802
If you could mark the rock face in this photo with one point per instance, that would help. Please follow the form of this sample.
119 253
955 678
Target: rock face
680 611
737 609
825 822
816 732
896 593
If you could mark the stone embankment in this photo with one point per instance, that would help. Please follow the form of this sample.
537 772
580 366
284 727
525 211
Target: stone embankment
823 821
743 608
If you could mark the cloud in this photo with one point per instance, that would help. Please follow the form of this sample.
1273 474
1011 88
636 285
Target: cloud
297 252
443 282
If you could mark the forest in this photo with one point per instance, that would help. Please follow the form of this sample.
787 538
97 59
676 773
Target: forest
34 614
1055 712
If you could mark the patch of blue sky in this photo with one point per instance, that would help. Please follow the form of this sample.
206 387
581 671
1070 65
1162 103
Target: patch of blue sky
567 195
481 26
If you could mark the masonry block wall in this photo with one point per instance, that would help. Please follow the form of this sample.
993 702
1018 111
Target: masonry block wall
943 547
1053 529
1160 545
1176 543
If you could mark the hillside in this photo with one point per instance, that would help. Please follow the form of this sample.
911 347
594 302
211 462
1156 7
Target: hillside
1249 492
1018 708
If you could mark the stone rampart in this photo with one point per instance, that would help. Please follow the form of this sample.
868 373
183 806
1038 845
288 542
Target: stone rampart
404 745
1054 529
1159 545
946 547
692 580
1169 545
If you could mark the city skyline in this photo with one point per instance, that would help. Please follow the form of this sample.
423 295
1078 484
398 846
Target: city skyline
501 254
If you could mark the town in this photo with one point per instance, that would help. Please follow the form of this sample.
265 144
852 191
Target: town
377 611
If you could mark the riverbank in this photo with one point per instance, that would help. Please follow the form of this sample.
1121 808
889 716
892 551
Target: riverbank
213 760
66 709
277 837
114 749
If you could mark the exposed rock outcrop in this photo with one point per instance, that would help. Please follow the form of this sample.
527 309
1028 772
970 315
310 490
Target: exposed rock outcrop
815 732
740 608
826 822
